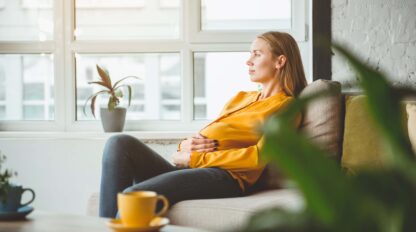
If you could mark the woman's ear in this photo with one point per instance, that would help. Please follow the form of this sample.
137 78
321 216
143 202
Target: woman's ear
280 61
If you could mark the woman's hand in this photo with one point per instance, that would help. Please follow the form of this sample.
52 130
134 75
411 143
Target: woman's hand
198 143
181 159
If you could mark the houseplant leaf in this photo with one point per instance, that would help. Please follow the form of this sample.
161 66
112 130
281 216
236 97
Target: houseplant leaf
93 99
99 83
124 78
104 77
128 90
383 103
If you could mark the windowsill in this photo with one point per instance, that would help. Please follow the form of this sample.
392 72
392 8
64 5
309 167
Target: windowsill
145 135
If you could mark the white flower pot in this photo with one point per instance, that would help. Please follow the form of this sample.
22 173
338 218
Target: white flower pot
113 121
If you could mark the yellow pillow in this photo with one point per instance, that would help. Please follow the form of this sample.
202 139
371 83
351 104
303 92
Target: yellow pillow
362 145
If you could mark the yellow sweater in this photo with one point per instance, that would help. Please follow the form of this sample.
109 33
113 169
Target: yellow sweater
236 130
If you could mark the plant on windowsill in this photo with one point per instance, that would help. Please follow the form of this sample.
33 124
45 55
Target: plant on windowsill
5 179
112 117
372 200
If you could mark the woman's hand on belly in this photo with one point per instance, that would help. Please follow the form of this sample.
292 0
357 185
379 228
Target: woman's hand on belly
198 143
181 159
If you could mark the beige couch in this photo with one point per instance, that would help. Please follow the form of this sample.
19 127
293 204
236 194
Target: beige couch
323 122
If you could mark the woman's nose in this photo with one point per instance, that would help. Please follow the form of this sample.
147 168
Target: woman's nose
249 63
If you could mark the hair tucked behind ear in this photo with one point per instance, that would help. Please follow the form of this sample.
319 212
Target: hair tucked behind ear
292 76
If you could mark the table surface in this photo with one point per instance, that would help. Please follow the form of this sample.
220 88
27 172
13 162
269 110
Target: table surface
40 221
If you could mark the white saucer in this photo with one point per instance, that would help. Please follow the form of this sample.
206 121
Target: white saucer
155 225
20 214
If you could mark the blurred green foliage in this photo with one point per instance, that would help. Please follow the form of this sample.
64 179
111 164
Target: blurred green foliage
378 200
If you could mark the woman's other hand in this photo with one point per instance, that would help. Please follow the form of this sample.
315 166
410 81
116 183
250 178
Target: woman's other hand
198 143
181 159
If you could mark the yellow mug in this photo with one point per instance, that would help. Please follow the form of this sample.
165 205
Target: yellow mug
137 209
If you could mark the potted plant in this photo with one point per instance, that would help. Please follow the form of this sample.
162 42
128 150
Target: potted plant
11 206
4 179
112 117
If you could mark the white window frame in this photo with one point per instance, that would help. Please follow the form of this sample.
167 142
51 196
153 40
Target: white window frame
191 40
298 30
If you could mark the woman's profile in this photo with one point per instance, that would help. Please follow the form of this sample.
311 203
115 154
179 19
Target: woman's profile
223 158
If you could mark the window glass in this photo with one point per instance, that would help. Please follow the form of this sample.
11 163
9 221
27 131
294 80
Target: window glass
126 20
217 77
26 20
26 87
245 15
156 96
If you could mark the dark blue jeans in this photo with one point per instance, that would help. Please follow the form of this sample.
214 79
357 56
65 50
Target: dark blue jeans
129 165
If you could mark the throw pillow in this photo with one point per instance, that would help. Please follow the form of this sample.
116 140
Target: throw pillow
321 121
363 145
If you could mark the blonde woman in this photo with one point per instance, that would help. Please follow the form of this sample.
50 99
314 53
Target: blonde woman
223 158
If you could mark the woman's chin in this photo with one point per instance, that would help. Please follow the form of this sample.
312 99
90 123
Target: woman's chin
254 79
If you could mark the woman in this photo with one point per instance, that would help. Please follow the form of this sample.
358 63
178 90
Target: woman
222 160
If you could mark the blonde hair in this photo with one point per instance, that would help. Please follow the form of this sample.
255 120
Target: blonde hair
291 75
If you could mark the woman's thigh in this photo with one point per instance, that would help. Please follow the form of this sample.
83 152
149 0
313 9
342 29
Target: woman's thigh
187 184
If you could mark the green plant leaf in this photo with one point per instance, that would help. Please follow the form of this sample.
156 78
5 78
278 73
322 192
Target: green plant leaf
93 98
320 179
383 104
112 103
275 219
129 91
118 93
104 77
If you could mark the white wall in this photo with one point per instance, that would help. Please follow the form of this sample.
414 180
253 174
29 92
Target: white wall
381 32
65 171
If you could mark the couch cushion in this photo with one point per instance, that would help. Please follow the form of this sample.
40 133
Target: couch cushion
363 146
224 213
322 119
231 213
362 143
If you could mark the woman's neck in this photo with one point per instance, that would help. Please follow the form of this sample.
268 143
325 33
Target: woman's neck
270 89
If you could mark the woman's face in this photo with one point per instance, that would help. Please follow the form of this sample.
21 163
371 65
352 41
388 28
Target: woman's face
262 65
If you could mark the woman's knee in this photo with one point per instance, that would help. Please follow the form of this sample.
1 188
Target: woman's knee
117 145
135 188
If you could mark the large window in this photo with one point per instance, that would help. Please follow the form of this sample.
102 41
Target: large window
190 57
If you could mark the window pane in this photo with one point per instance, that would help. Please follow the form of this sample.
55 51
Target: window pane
26 87
217 77
126 20
155 97
263 15
26 20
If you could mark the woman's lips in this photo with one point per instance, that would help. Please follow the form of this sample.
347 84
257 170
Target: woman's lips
251 71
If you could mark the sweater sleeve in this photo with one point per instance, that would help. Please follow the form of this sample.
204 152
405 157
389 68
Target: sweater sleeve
231 159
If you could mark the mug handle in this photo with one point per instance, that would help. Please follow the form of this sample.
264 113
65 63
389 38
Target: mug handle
31 200
165 205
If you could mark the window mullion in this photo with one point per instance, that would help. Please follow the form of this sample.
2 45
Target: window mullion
187 64
187 107
70 98
59 65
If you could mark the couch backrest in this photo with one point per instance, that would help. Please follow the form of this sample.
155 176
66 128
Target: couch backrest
322 121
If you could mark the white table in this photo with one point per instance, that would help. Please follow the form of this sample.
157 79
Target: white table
39 221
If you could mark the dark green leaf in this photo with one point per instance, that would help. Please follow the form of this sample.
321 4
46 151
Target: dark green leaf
383 103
